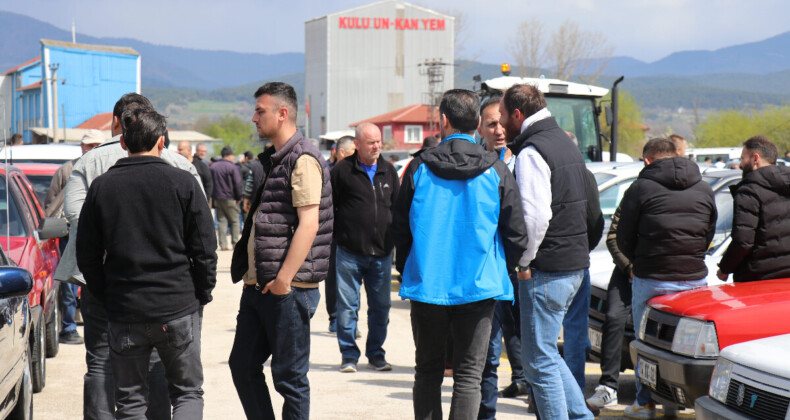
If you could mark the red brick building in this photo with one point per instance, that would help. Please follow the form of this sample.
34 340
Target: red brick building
405 128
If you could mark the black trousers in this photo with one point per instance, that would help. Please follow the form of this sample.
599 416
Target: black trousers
618 311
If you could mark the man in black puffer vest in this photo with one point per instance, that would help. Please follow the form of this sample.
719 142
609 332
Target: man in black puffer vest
552 179
761 219
282 262
667 221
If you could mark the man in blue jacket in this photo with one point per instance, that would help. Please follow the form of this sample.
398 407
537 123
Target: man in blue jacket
458 219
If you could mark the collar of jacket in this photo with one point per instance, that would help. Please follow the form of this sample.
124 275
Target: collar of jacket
357 165
278 155
519 143
466 137
138 160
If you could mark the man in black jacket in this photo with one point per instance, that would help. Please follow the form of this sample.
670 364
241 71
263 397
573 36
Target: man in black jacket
760 219
667 220
146 247
364 186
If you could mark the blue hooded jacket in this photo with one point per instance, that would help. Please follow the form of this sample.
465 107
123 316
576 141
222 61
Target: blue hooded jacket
458 224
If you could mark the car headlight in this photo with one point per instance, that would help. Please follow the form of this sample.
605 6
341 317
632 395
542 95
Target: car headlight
643 323
695 338
720 380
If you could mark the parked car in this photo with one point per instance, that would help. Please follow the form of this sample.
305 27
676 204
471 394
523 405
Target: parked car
40 176
751 380
30 240
601 264
683 333
41 153
16 386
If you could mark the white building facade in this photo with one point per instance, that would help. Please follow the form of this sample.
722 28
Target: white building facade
371 60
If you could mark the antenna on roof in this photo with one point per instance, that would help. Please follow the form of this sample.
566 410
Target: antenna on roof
73 33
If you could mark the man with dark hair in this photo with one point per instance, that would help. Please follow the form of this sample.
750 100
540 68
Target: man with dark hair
760 219
98 394
282 256
226 197
149 309
17 140
453 274
552 179
429 142
667 220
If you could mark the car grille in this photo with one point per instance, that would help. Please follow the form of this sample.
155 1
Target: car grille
766 406
660 329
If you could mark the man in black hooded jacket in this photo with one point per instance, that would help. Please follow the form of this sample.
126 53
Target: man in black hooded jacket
667 220
760 217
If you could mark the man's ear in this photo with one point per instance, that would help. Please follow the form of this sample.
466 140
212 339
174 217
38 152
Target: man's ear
123 143
160 144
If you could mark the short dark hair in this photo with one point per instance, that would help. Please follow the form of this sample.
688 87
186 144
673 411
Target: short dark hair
143 127
130 101
17 139
284 93
493 100
659 148
226 151
248 154
430 141
461 107
764 147
526 98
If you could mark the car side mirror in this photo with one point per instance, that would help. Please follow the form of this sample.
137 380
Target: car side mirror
14 282
53 227
607 111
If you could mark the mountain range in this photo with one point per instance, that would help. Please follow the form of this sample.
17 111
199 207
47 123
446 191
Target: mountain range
747 75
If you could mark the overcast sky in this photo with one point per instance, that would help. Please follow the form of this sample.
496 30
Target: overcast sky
647 30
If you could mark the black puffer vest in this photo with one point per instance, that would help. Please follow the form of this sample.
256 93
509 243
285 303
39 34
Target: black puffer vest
565 246
275 219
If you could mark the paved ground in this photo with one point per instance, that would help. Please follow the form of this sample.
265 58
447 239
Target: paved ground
365 395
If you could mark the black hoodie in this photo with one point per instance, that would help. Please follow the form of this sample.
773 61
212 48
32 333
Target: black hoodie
760 247
667 221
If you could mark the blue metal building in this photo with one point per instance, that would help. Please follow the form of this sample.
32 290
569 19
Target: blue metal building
91 78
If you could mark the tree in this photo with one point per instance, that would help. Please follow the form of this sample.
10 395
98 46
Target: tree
631 131
233 132
526 47
730 128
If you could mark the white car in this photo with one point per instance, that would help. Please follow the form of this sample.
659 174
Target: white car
751 380
41 153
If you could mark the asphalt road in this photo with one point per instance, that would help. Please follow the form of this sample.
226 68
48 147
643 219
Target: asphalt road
366 394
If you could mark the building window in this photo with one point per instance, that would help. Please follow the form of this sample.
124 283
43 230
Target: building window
413 134
387 134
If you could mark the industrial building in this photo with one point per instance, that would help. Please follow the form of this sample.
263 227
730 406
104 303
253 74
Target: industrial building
65 86
375 59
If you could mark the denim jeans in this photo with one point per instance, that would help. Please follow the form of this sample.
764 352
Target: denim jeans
574 326
470 327
544 300
277 326
178 344
375 273
98 396
489 386
644 290
68 306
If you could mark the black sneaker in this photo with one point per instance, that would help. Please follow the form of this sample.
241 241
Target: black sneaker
348 366
70 337
379 364
513 390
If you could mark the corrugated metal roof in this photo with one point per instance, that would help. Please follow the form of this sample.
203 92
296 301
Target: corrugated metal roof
31 86
25 64
91 47
417 113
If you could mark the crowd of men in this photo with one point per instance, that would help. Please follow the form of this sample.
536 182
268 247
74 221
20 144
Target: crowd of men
492 243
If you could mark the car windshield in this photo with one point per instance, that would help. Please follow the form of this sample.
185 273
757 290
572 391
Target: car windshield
11 224
724 220
610 197
576 116
40 185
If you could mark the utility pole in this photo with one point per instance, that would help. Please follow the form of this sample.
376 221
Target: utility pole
434 69
54 80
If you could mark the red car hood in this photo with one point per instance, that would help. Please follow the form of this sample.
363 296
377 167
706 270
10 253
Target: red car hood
741 311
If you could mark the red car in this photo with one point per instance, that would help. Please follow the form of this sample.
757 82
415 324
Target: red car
30 240
681 334
40 176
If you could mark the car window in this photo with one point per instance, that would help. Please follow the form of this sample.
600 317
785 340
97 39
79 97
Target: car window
610 197
11 222
30 199
40 185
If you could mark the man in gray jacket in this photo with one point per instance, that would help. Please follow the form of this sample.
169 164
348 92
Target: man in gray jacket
98 392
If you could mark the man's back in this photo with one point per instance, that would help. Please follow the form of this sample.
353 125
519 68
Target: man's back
455 215
153 223
227 180
668 219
